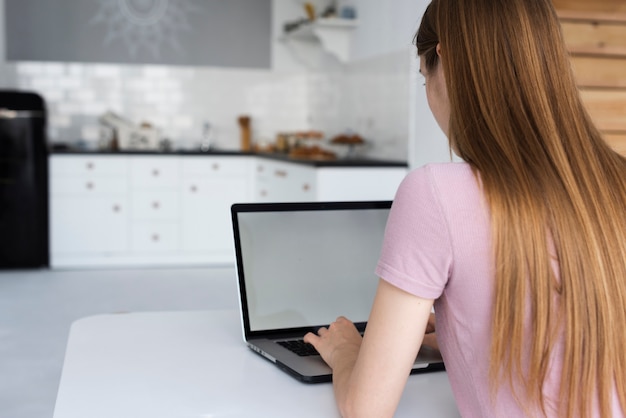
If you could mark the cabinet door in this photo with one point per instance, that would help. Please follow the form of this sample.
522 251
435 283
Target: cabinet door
300 184
88 186
97 224
353 183
284 182
89 209
206 222
87 166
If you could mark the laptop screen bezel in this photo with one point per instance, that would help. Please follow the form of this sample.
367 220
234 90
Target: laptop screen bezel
238 208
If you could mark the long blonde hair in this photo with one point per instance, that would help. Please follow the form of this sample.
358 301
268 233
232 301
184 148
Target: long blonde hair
556 191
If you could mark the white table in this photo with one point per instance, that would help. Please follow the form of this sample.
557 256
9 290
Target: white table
195 364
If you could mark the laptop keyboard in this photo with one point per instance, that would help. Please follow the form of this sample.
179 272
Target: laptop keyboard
299 347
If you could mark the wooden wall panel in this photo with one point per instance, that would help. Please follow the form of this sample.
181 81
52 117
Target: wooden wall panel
617 142
595 32
607 108
591 5
599 71
591 37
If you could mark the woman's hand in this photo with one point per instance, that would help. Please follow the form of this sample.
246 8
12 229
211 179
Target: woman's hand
341 340
369 373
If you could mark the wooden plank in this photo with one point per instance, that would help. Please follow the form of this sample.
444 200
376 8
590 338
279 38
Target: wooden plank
590 5
595 39
599 71
617 142
607 108
595 16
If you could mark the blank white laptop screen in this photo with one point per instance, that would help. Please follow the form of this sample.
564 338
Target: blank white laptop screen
305 268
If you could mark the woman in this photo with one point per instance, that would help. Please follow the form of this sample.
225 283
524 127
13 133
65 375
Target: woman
522 248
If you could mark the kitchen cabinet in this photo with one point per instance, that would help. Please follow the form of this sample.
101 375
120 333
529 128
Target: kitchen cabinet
279 181
89 206
149 209
155 204
210 185
144 209
358 183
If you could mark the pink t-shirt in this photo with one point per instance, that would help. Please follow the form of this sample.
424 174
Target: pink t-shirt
438 246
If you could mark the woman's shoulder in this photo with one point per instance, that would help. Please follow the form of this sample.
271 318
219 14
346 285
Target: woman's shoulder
449 183
444 174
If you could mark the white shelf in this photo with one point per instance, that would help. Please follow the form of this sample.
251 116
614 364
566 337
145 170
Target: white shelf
334 35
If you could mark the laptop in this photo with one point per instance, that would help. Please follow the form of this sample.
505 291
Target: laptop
289 257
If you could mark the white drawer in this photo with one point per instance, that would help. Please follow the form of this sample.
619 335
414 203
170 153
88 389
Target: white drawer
231 166
93 166
92 225
88 186
280 169
154 236
155 204
155 171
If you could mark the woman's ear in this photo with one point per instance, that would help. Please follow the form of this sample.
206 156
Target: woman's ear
438 49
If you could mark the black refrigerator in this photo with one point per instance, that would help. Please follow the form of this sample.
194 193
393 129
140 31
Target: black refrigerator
23 181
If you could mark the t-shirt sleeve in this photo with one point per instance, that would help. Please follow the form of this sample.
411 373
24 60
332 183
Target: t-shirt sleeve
416 255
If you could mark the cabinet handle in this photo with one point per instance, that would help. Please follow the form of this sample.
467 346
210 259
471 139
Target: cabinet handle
156 204
193 188
215 166
155 173
155 237
260 169
306 187
117 208
89 185
263 193
280 173
90 165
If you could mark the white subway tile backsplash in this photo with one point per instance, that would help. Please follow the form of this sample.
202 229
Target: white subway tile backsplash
69 83
75 70
66 108
94 109
54 69
370 97
82 95
105 70
174 98
139 85
156 72
90 133
30 68
43 84
154 97
60 121
182 122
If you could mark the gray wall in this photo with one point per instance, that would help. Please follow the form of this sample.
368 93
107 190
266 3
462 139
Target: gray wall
232 33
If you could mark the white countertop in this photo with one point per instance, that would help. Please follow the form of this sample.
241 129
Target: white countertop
195 364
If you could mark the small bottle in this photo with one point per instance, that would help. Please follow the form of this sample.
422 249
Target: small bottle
246 140
206 145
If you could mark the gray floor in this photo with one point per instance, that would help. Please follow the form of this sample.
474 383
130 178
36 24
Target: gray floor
37 308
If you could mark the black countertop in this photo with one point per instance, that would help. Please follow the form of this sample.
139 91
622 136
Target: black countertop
340 162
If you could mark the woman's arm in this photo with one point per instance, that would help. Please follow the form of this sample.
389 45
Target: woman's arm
430 338
369 375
